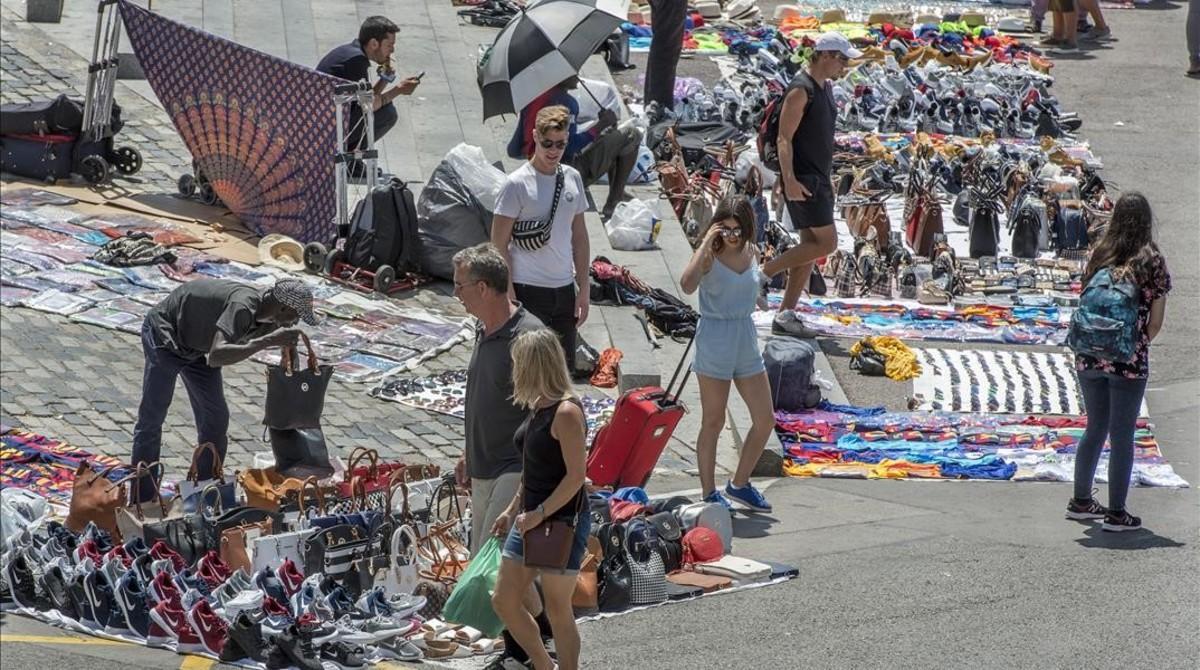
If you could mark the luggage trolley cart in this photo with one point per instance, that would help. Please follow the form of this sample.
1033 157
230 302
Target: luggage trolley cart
94 154
331 260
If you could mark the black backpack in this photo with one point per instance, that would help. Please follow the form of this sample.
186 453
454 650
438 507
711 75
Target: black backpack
383 230
1026 227
768 130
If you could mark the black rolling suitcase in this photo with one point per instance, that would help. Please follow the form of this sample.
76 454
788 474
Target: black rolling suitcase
47 157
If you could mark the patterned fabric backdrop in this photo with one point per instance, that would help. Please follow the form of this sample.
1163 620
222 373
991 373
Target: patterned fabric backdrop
261 129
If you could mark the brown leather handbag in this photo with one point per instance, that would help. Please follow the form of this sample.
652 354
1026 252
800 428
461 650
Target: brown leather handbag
237 543
709 583
586 596
266 489
548 545
94 499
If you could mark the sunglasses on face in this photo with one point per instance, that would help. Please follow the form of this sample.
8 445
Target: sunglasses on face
731 233
553 144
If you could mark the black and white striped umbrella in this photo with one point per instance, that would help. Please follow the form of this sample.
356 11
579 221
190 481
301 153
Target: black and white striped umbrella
543 45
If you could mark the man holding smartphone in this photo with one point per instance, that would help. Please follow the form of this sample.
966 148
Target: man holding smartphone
375 44
805 143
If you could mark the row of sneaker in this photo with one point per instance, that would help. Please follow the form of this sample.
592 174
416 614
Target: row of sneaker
149 593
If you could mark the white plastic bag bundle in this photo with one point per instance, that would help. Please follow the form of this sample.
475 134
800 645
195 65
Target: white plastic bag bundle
20 509
633 227
477 174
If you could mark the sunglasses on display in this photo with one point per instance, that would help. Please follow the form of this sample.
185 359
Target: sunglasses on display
553 144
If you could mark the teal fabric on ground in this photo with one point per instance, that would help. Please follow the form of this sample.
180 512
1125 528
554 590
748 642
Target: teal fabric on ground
470 604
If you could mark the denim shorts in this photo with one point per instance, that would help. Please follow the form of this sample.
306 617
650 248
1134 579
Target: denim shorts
514 546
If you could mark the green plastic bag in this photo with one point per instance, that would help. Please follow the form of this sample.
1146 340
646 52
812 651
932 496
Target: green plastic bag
470 604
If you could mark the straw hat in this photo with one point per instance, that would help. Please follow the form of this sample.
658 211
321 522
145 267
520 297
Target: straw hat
282 252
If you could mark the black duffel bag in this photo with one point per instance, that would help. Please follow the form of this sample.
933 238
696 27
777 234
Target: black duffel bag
60 116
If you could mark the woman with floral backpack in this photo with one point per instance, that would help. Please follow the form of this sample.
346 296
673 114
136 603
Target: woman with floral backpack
1113 389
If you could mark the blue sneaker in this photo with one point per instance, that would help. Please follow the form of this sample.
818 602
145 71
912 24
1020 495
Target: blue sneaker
716 497
748 496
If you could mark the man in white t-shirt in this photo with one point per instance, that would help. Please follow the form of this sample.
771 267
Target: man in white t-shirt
539 228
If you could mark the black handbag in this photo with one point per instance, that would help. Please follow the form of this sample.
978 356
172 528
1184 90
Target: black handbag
188 534
332 551
869 362
666 525
296 397
300 452
614 578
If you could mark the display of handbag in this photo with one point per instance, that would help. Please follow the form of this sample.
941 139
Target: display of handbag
648 578
708 515
190 534
735 567
192 485
94 499
707 583
296 397
375 477
268 489
331 551
131 519
299 452
400 575
441 557
614 578
238 544
585 599
702 544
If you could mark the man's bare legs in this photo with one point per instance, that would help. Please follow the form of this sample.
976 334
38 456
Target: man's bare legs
815 243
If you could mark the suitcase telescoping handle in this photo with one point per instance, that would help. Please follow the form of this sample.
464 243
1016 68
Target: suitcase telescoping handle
669 398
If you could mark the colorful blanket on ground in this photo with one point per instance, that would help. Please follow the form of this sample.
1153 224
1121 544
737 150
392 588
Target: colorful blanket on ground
45 264
969 323
47 466
871 443
446 393
261 129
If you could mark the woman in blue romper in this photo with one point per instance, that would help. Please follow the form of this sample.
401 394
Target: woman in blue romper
726 270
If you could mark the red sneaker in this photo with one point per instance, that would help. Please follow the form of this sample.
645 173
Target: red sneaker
120 553
162 589
160 551
88 549
212 569
291 577
210 628
168 623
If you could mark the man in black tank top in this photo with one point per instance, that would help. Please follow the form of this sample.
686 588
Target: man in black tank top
805 143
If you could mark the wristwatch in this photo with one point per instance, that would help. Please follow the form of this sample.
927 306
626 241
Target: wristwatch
542 510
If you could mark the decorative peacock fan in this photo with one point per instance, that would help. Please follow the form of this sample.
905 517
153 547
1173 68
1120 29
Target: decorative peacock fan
261 129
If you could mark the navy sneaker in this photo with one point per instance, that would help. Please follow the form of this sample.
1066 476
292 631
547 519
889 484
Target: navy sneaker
267 582
99 595
131 598
749 496
716 497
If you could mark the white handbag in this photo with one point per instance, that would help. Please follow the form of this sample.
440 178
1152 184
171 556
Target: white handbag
735 567
401 573
712 516
270 550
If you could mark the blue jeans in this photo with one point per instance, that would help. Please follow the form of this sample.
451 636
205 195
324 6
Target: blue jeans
1112 403
206 392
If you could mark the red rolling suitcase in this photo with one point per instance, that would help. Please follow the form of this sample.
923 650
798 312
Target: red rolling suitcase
627 448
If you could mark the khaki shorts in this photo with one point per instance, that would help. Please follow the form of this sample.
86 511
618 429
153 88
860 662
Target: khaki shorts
489 498
597 158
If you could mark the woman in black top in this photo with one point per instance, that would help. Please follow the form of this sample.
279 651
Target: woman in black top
552 442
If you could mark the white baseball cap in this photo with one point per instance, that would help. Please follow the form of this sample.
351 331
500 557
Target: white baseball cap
833 41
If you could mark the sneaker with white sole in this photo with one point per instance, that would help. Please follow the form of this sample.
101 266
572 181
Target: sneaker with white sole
169 624
210 628
747 496
1080 510
1120 521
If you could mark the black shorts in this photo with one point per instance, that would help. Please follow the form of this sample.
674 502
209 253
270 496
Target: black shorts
817 210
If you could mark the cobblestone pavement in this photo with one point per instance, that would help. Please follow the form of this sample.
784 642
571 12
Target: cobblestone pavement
82 384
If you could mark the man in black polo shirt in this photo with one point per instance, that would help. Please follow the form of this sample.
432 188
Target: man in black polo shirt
202 326
375 43
491 462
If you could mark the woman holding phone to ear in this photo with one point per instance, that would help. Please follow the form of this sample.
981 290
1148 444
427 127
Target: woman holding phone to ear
725 269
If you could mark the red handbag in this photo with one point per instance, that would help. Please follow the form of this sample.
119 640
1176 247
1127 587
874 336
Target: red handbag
624 510
702 544
375 477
